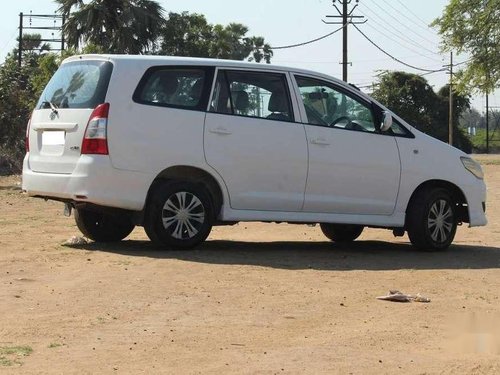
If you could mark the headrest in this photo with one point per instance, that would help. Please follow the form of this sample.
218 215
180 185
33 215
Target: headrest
196 89
278 103
318 95
241 101
167 82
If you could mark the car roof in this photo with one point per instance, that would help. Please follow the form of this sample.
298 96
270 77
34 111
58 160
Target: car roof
154 59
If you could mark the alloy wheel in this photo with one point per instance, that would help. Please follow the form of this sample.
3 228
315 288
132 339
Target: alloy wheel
183 215
440 221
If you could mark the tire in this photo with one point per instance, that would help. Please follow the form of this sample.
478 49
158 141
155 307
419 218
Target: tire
179 215
341 232
103 227
431 219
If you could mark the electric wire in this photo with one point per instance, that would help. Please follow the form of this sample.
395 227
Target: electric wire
398 31
372 84
396 41
410 20
426 28
392 57
354 61
311 41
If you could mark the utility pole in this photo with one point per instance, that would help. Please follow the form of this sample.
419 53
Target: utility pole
345 59
347 18
20 47
487 126
55 18
450 121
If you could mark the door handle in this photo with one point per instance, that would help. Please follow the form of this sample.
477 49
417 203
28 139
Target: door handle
320 142
220 130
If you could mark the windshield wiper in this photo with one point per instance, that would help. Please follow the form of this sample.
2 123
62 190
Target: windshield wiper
52 106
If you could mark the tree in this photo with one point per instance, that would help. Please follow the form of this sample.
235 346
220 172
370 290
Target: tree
472 118
186 34
119 26
32 42
472 27
20 87
412 98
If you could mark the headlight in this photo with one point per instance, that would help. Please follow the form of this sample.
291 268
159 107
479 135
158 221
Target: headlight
473 167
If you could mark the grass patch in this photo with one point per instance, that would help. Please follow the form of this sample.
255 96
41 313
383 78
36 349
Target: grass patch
9 355
54 345
5 362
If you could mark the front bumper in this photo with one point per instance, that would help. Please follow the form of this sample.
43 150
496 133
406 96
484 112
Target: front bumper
476 203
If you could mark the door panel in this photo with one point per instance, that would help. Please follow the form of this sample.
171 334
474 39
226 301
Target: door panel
353 168
262 162
351 172
252 141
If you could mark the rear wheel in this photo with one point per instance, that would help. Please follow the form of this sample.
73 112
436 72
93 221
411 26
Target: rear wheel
341 232
431 219
102 227
179 215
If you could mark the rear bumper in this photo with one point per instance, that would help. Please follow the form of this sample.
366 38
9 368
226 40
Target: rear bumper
94 180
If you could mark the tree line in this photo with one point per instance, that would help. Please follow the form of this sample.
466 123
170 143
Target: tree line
143 27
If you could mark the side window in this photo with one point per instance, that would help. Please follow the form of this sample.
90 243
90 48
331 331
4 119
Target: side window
252 94
327 106
178 87
398 129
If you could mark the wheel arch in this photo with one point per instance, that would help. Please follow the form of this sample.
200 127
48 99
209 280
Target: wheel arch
191 174
456 193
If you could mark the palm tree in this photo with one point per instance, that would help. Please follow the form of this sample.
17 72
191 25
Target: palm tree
116 26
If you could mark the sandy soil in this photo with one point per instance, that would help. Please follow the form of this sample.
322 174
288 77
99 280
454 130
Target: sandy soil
255 298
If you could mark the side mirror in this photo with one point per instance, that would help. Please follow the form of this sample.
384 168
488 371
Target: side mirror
386 121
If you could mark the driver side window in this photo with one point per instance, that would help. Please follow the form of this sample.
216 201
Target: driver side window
327 106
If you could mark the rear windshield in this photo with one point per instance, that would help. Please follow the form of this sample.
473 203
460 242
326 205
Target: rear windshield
78 84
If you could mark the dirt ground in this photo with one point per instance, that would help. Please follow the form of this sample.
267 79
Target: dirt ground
255 298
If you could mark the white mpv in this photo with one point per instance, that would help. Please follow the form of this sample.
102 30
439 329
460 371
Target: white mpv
178 145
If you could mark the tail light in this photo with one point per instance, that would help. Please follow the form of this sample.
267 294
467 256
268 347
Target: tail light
95 140
27 139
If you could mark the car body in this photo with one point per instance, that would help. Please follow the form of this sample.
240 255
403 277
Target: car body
113 134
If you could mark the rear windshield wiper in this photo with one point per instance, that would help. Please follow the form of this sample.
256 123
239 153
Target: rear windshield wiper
51 105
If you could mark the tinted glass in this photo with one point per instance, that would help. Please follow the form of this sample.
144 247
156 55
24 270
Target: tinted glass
79 84
252 94
173 87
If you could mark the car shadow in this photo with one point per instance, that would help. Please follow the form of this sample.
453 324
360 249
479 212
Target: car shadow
358 255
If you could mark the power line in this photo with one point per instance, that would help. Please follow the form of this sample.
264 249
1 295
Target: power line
310 41
414 15
397 31
410 20
391 56
396 41
9 40
362 61
368 84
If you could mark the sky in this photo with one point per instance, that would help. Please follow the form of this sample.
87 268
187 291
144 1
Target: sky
400 27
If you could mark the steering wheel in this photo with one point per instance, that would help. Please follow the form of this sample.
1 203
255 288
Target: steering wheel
342 118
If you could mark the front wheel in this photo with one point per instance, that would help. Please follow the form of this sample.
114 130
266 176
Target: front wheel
431 220
341 232
179 215
103 227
